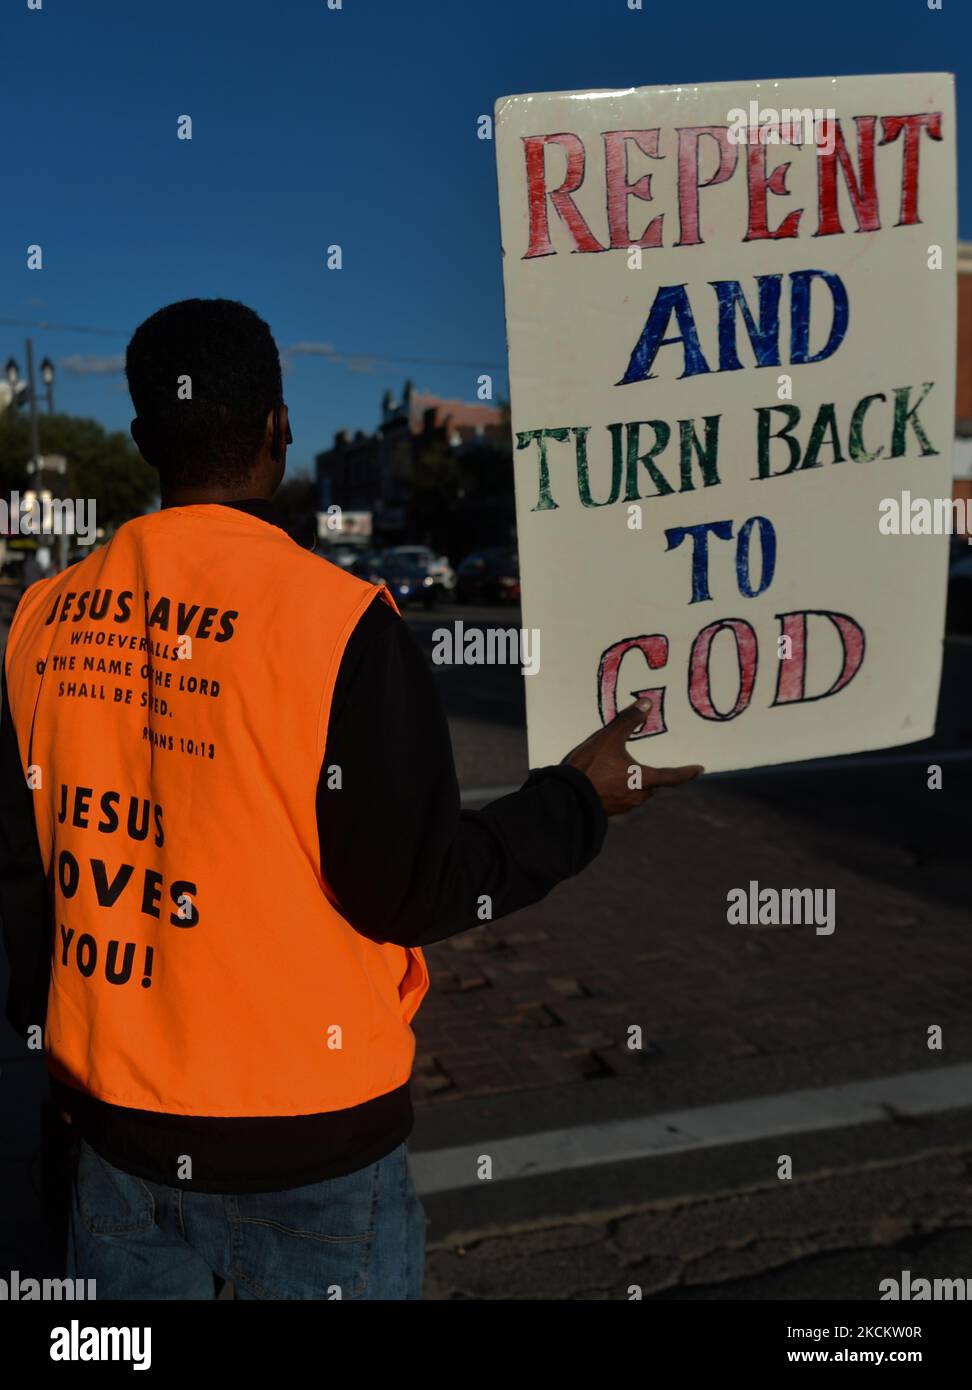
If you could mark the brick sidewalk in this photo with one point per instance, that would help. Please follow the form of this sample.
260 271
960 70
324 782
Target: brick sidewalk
546 996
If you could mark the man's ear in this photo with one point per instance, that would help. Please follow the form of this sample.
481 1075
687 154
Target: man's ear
278 433
270 436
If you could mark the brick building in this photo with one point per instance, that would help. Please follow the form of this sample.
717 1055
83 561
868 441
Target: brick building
382 472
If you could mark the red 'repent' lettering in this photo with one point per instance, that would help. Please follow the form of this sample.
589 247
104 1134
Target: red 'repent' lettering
688 175
891 128
619 190
863 192
691 154
540 243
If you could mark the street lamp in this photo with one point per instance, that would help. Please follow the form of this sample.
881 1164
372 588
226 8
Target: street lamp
47 375
24 392
32 402
19 388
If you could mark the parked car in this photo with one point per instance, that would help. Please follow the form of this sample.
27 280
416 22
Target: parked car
489 576
367 564
435 565
407 581
343 554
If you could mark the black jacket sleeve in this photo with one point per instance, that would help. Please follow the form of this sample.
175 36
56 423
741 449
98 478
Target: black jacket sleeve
25 904
399 857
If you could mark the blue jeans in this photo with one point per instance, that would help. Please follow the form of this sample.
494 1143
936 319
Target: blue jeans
357 1237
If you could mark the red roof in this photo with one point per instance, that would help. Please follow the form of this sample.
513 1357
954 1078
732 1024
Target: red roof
460 415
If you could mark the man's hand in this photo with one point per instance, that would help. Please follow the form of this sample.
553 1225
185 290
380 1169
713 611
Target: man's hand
603 759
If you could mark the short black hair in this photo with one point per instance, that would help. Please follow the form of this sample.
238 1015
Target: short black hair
228 354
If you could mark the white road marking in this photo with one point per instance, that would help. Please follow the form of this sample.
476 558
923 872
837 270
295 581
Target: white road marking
707 1126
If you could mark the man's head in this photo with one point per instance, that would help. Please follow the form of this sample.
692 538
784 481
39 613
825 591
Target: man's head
204 377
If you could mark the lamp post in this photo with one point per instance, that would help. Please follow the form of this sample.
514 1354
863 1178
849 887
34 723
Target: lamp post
13 387
22 392
34 424
47 374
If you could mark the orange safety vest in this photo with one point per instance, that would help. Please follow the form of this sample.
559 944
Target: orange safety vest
171 696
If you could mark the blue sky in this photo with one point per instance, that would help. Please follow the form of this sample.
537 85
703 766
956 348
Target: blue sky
300 116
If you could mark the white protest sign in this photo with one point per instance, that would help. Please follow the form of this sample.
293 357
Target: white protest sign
731 326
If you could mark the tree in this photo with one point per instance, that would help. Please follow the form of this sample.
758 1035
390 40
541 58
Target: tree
103 466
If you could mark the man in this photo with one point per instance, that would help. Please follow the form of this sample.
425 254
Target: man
230 822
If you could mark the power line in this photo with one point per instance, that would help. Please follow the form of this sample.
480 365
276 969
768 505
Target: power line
63 327
336 356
